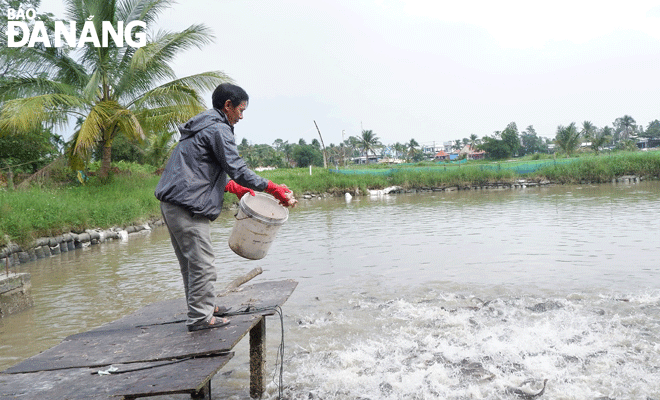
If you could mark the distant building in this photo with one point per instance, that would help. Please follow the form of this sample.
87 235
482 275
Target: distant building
371 159
472 154
647 143
441 156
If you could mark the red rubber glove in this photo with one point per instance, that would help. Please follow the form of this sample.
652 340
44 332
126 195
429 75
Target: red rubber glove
279 192
238 190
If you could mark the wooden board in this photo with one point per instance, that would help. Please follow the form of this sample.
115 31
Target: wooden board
83 383
157 332
152 343
258 295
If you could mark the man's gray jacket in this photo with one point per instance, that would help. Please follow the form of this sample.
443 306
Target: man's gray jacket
196 174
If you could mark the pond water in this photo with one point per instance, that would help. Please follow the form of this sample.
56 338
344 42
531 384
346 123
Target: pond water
452 295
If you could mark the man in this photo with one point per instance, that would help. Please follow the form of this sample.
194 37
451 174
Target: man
191 191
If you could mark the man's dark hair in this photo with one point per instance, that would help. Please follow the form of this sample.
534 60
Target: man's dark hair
228 91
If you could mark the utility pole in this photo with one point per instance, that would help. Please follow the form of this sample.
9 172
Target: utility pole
343 148
325 158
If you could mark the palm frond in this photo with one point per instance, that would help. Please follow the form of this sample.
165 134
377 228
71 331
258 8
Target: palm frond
181 91
142 10
91 90
168 118
21 87
150 63
204 81
27 113
93 128
175 95
76 160
128 124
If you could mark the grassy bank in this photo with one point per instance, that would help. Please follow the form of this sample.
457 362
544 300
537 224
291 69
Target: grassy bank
593 169
128 198
605 168
37 212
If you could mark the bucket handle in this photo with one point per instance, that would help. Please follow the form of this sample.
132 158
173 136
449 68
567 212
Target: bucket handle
240 219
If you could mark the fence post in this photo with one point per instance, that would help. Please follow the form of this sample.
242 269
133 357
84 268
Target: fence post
10 178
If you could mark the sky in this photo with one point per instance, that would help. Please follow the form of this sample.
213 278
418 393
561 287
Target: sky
424 70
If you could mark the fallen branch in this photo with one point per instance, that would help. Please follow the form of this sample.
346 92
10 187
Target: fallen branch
241 280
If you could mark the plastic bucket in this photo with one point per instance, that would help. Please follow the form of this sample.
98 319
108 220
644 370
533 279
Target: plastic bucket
258 219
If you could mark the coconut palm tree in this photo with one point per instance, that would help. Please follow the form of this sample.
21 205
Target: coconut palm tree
130 91
474 141
368 141
412 146
567 138
400 149
600 138
588 130
625 126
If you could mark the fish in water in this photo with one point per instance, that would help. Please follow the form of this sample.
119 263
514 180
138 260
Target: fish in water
524 394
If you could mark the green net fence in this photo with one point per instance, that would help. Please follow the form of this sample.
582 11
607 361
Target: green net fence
520 168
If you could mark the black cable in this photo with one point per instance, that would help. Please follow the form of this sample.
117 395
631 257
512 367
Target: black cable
143 368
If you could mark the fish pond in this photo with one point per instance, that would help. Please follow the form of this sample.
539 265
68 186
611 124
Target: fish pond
441 295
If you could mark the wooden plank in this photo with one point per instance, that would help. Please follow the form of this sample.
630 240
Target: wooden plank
152 343
157 378
185 377
155 333
257 295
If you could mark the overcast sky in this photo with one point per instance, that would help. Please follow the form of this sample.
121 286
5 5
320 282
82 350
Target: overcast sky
432 71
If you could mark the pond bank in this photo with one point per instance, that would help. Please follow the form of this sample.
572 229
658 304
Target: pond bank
14 254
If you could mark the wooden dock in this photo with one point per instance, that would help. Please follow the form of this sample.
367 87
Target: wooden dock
150 352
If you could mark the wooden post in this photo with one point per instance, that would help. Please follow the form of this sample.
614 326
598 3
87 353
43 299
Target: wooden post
325 157
204 393
10 178
258 358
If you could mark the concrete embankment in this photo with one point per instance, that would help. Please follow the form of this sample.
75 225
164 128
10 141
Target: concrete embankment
14 254
14 293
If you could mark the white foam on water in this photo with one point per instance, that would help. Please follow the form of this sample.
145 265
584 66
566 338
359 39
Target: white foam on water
451 346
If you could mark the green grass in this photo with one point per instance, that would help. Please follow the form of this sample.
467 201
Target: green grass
37 212
300 181
604 168
590 168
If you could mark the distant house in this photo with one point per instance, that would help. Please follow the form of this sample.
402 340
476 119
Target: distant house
370 159
647 143
471 153
441 156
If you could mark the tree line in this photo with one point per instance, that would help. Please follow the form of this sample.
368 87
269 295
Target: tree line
621 135
500 145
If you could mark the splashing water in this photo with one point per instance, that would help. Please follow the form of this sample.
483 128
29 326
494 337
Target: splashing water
453 346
